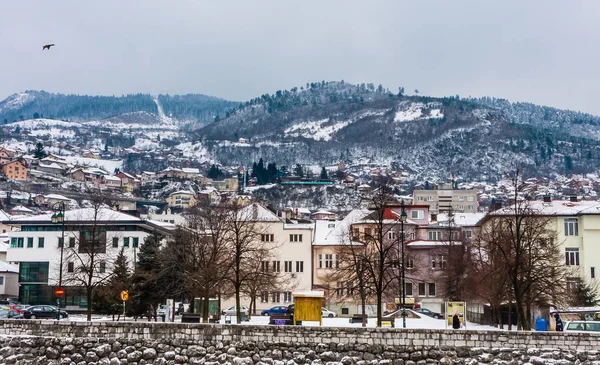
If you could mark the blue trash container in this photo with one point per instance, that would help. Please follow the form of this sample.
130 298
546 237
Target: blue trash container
541 324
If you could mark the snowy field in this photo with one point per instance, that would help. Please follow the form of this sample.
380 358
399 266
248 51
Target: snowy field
415 323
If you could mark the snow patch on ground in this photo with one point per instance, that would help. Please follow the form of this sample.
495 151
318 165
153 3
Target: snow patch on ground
107 165
161 113
196 151
16 101
315 129
414 111
43 123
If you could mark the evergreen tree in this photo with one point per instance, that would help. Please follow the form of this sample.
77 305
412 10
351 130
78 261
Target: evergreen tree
39 152
324 173
215 173
298 171
144 286
108 297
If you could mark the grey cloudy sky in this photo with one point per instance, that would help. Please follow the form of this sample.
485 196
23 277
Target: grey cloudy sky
542 51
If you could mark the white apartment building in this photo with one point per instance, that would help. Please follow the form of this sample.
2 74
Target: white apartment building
291 257
36 249
444 198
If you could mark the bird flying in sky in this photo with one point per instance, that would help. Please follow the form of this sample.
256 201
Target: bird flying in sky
47 46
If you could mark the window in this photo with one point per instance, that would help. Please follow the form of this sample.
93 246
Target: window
136 242
416 214
264 297
435 235
287 266
70 267
320 261
331 225
432 289
592 272
430 198
102 267
470 207
115 241
438 262
461 198
125 241
287 296
20 242
470 198
350 286
339 290
328 261
468 234
61 242
572 285
71 242
408 289
571 227
276 267
345 311
30 242
1 280
267 237
41 242
338 258
13 242
299 266
355 234
391 235
572 256
295 238
410 264
264 266
33 272
421 289
276 297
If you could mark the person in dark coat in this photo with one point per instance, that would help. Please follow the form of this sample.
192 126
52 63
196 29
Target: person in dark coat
559 323
455 321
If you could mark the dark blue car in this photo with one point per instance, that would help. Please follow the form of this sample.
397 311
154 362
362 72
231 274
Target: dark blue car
275 310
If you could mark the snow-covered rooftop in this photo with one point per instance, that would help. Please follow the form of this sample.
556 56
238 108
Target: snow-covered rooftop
556 208
56 197
81 215
6 267
424 243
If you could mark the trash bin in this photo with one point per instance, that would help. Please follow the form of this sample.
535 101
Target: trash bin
541 324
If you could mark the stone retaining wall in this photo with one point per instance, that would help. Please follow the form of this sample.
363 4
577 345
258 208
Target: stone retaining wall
81 343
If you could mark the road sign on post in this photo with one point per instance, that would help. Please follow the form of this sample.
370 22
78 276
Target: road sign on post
124 295
59 292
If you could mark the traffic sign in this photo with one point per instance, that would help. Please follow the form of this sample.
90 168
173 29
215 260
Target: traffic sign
124 295
59 292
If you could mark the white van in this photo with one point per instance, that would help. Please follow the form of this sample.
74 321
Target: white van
583 326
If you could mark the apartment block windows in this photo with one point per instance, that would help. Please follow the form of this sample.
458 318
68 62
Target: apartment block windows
287 266
470 198
61 242
264 297
391 235
115 242
408 289
572 256
268 237
287 296
410 264
125 241
434 235
71 242
339 290
431 289
295 238
264 266
430 198
102 267
70 267
571 227
422 289
41 242
299 266
276 267
30 242
328 261
276 297
320 261
136 242
438 262
416 214
592 272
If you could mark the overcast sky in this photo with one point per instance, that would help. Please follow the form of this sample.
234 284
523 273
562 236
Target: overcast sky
543 51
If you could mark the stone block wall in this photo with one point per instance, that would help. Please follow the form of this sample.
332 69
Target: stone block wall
81 343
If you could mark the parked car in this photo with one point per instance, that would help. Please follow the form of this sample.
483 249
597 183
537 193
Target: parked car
19 308
43 311
290 310
280 309
12 314
162 310
582 326
232 312
429 313
327 313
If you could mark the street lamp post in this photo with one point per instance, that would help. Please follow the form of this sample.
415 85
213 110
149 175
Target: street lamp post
59 217
403 217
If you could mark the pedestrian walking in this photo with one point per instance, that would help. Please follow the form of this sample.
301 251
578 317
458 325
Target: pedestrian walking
559 323
455 321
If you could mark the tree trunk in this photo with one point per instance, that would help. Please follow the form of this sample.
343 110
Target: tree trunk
364 309
510 315
205 304
89 294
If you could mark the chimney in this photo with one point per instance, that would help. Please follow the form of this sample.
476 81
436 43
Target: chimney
573 198
547 199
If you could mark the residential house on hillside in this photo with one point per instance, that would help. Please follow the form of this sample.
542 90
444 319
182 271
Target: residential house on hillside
52 169
6 155
20 210
4 217
230 184
128 181
182 199
15 170
35 248
323 215
445 198
111 182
